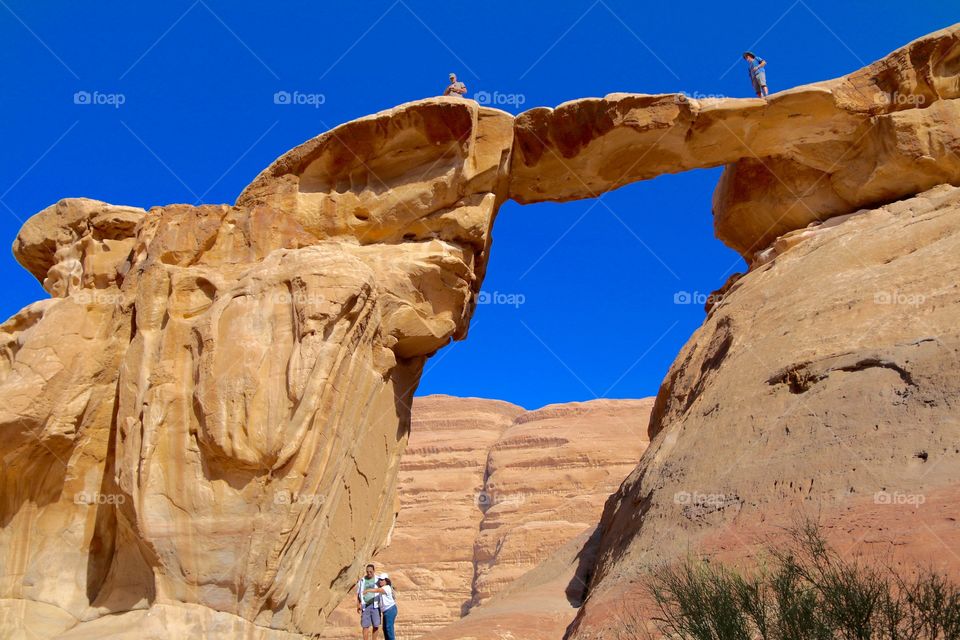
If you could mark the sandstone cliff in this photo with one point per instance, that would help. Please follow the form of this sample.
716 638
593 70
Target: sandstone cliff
202 427
487 492
546 477
539 605
823 385
430 554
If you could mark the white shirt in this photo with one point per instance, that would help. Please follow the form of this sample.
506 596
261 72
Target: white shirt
386 598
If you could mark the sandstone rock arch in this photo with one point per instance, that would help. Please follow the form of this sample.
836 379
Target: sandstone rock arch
183 421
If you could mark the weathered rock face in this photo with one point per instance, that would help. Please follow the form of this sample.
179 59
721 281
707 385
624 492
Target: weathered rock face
546 477
200 431
430 555
487 492
824 385
539 605
428 175
179 447
885 132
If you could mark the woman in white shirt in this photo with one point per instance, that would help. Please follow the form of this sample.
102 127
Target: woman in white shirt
388 604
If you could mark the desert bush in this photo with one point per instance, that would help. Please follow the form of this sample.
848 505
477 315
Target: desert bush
806 591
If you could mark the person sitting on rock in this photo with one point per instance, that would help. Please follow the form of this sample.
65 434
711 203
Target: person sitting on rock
758 77
455 88
388 604
368 604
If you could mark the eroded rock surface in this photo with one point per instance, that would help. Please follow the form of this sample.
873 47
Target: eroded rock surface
204 423
887 131
430 555
822 386
488 491
546 477
539 605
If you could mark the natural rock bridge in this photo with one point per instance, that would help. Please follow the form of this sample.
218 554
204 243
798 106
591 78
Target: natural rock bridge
207 378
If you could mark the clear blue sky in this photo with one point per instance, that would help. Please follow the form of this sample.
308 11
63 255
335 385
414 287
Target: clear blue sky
598 279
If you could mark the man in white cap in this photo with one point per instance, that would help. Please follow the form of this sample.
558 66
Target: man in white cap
455 88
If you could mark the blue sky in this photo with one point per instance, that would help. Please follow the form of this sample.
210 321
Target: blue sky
596 281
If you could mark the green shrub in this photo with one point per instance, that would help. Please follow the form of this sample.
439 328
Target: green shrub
809 592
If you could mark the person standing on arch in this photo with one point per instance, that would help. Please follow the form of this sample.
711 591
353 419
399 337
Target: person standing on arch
758 75
455 88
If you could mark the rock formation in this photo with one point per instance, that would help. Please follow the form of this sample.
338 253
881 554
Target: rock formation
546 477
539 605
430 555
201 428
823 385
487 492
885 132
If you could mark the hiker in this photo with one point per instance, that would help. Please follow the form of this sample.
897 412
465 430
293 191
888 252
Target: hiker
368 604
758 77
455 88
388 604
